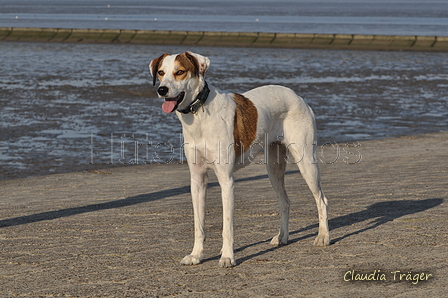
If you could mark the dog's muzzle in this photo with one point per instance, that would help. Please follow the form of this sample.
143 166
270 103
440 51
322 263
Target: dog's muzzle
170 104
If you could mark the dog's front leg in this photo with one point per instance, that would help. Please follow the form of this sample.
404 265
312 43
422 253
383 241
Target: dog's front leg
199 180
226 181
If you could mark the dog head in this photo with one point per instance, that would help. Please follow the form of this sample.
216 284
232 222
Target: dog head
181 78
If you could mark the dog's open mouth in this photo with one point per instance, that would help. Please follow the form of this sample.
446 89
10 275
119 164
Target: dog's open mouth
171 103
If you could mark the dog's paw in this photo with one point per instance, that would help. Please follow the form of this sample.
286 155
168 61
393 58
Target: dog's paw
322 240
276 241
227 262
190 260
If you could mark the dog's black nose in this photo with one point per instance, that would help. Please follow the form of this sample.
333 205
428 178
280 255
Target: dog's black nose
162 90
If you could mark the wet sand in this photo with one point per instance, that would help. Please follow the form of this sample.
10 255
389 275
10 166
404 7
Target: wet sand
67 105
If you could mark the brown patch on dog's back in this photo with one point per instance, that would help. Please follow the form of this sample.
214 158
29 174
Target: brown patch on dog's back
188 63
245 124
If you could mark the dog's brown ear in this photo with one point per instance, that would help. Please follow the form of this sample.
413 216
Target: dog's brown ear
154 66
194 61
201 63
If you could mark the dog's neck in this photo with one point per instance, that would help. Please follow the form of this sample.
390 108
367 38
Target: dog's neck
198 102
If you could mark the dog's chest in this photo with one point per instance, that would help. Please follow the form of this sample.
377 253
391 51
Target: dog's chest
209 138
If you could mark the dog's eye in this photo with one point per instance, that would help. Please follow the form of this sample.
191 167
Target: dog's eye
180 72
161 73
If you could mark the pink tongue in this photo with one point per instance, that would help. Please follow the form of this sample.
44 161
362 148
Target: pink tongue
169 105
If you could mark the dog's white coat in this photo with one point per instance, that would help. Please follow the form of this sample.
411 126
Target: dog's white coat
283 119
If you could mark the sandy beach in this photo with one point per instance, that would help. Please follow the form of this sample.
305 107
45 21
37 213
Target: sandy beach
122 232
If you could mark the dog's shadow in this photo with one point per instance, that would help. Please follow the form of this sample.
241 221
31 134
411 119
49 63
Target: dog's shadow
143 198
382 212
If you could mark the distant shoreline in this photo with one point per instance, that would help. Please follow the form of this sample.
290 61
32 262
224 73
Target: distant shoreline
229 39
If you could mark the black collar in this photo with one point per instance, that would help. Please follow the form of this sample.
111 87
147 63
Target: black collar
198 102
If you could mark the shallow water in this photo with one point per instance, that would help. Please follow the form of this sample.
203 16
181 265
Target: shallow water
63 106
392 17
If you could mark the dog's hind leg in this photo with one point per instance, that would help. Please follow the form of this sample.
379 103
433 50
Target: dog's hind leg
276 166
199 180
310 173
305 158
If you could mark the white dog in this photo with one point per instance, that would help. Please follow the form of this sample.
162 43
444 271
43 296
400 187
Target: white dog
225 131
